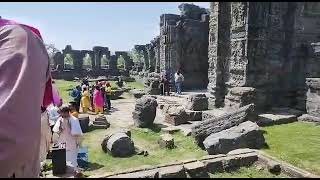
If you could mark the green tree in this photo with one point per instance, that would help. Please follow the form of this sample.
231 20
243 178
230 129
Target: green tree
104 60
87 62
51 49
136 56
121 61
68 61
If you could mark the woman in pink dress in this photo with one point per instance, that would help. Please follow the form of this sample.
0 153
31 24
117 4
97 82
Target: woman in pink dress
98 100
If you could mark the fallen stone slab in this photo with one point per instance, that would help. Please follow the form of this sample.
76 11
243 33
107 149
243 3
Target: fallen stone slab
197 102
166 141
233 162
270 119
214 165
172 172
141 174
309 118
202 130
245 135
118 145
196 170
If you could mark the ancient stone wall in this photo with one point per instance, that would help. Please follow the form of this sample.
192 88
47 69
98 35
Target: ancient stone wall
264 46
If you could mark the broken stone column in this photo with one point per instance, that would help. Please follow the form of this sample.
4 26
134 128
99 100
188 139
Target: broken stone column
145 111
118 145
245 135
113 65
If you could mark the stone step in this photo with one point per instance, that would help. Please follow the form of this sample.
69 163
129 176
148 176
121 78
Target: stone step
99 123
95 126
269 119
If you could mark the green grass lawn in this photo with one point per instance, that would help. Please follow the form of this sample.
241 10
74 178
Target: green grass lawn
297 143
247 172
146 139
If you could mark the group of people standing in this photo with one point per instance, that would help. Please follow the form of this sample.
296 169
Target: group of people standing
96 98
166 81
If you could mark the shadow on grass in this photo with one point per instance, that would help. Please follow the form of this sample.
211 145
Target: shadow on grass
157 127
93 166
265 146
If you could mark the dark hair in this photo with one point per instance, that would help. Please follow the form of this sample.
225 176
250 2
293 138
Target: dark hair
97 88
64 108
43 109
84 89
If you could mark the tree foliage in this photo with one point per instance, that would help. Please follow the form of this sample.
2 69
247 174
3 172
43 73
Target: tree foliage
104 60
68 59
87 61
136 56
51 49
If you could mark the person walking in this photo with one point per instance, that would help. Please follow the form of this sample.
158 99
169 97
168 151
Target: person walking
108 92
76 94
98 100
178 78
85 100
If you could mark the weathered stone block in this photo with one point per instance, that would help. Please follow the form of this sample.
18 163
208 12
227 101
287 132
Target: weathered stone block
245 135
172 172
236 161
141 174
197 102
145 111
214 165
166 141
202 130
194 115
196 170
270 119
176 115
309 118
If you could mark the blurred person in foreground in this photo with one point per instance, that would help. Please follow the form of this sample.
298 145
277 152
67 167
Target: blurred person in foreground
25 87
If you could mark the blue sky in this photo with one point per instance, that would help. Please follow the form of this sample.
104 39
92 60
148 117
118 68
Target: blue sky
117 25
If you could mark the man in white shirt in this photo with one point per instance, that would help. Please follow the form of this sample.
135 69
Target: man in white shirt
53 112
178 78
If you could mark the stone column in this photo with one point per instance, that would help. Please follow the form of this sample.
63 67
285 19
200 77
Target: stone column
219 51
97 56
77 60
113 63
58 60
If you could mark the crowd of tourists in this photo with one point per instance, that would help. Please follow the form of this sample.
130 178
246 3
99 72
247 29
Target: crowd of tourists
95 98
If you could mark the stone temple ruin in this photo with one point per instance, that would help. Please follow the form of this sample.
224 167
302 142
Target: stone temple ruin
78 70
247 52
182 44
